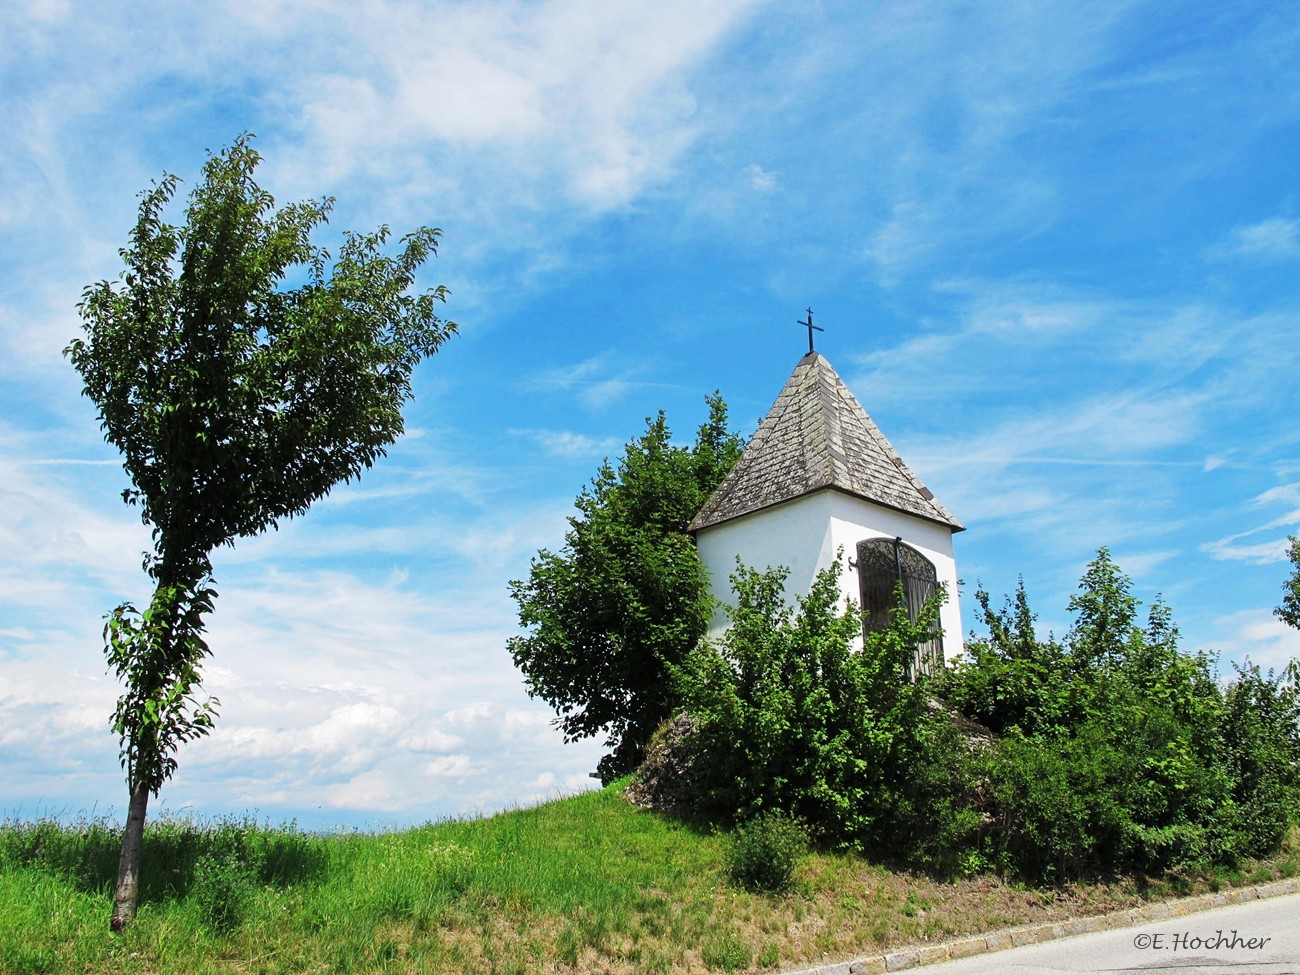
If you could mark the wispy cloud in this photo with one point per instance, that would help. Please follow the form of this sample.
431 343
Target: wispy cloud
985 105
598 380
1266 551
54 539
1273 240
760 179
594 105
1258 553
567 443
1114 411
1255 634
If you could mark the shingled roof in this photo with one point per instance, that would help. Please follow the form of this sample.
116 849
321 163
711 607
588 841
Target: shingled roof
817 435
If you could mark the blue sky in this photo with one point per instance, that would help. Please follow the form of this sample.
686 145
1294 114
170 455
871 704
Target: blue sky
1054 247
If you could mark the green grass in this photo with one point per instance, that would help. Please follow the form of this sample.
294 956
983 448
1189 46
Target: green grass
586 884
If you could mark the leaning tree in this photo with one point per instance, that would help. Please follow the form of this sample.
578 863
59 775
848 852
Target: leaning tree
242 371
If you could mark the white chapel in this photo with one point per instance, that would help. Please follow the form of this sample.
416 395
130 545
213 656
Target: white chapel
817 482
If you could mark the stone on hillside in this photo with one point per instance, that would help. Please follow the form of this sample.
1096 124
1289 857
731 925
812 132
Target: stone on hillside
665 780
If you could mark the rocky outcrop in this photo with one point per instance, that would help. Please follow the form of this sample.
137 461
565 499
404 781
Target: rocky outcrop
665 780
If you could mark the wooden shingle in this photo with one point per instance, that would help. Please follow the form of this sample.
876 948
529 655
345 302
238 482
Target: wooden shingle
818 436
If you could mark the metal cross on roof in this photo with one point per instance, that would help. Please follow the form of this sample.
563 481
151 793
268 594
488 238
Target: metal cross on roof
811 328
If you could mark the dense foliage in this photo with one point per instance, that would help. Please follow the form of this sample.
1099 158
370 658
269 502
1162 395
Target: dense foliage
236 402
1289 610
627 596
1118 750
790 717
1110 749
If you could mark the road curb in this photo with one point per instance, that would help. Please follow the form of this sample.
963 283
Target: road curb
916 956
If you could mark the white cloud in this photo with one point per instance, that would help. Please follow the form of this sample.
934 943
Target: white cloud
55 543
470 714
1260 553
1272 240
1287 494
1270 550
373 789
598 380
46 11
1063 374
1103 430
519 123
545 781
760 179
1258 635
431 740
391 711
993 340
452 766
567 443
335 684
592 102
1140 564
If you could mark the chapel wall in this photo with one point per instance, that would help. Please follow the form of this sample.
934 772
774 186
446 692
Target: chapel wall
807 534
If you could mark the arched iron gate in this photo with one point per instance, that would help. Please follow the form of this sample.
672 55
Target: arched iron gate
882 564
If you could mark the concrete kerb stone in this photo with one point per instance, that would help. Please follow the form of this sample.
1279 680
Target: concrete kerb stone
918 956
898 961
966 948
868 966
933 954
997 941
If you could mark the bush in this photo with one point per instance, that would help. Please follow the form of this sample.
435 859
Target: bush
764 852
789 716
84 852
1120 751
1261 745
1052 815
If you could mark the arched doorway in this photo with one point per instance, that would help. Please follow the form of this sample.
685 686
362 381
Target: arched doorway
882 564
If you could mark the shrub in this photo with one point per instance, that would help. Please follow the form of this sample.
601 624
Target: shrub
789 716
1120 750
1261 745
1052 813
764 852
1010 678
84 851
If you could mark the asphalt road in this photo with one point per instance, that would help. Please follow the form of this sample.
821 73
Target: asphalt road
1257 938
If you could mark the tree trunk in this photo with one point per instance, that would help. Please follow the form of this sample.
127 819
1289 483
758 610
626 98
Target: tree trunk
128 870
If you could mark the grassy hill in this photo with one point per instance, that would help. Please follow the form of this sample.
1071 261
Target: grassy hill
584 884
